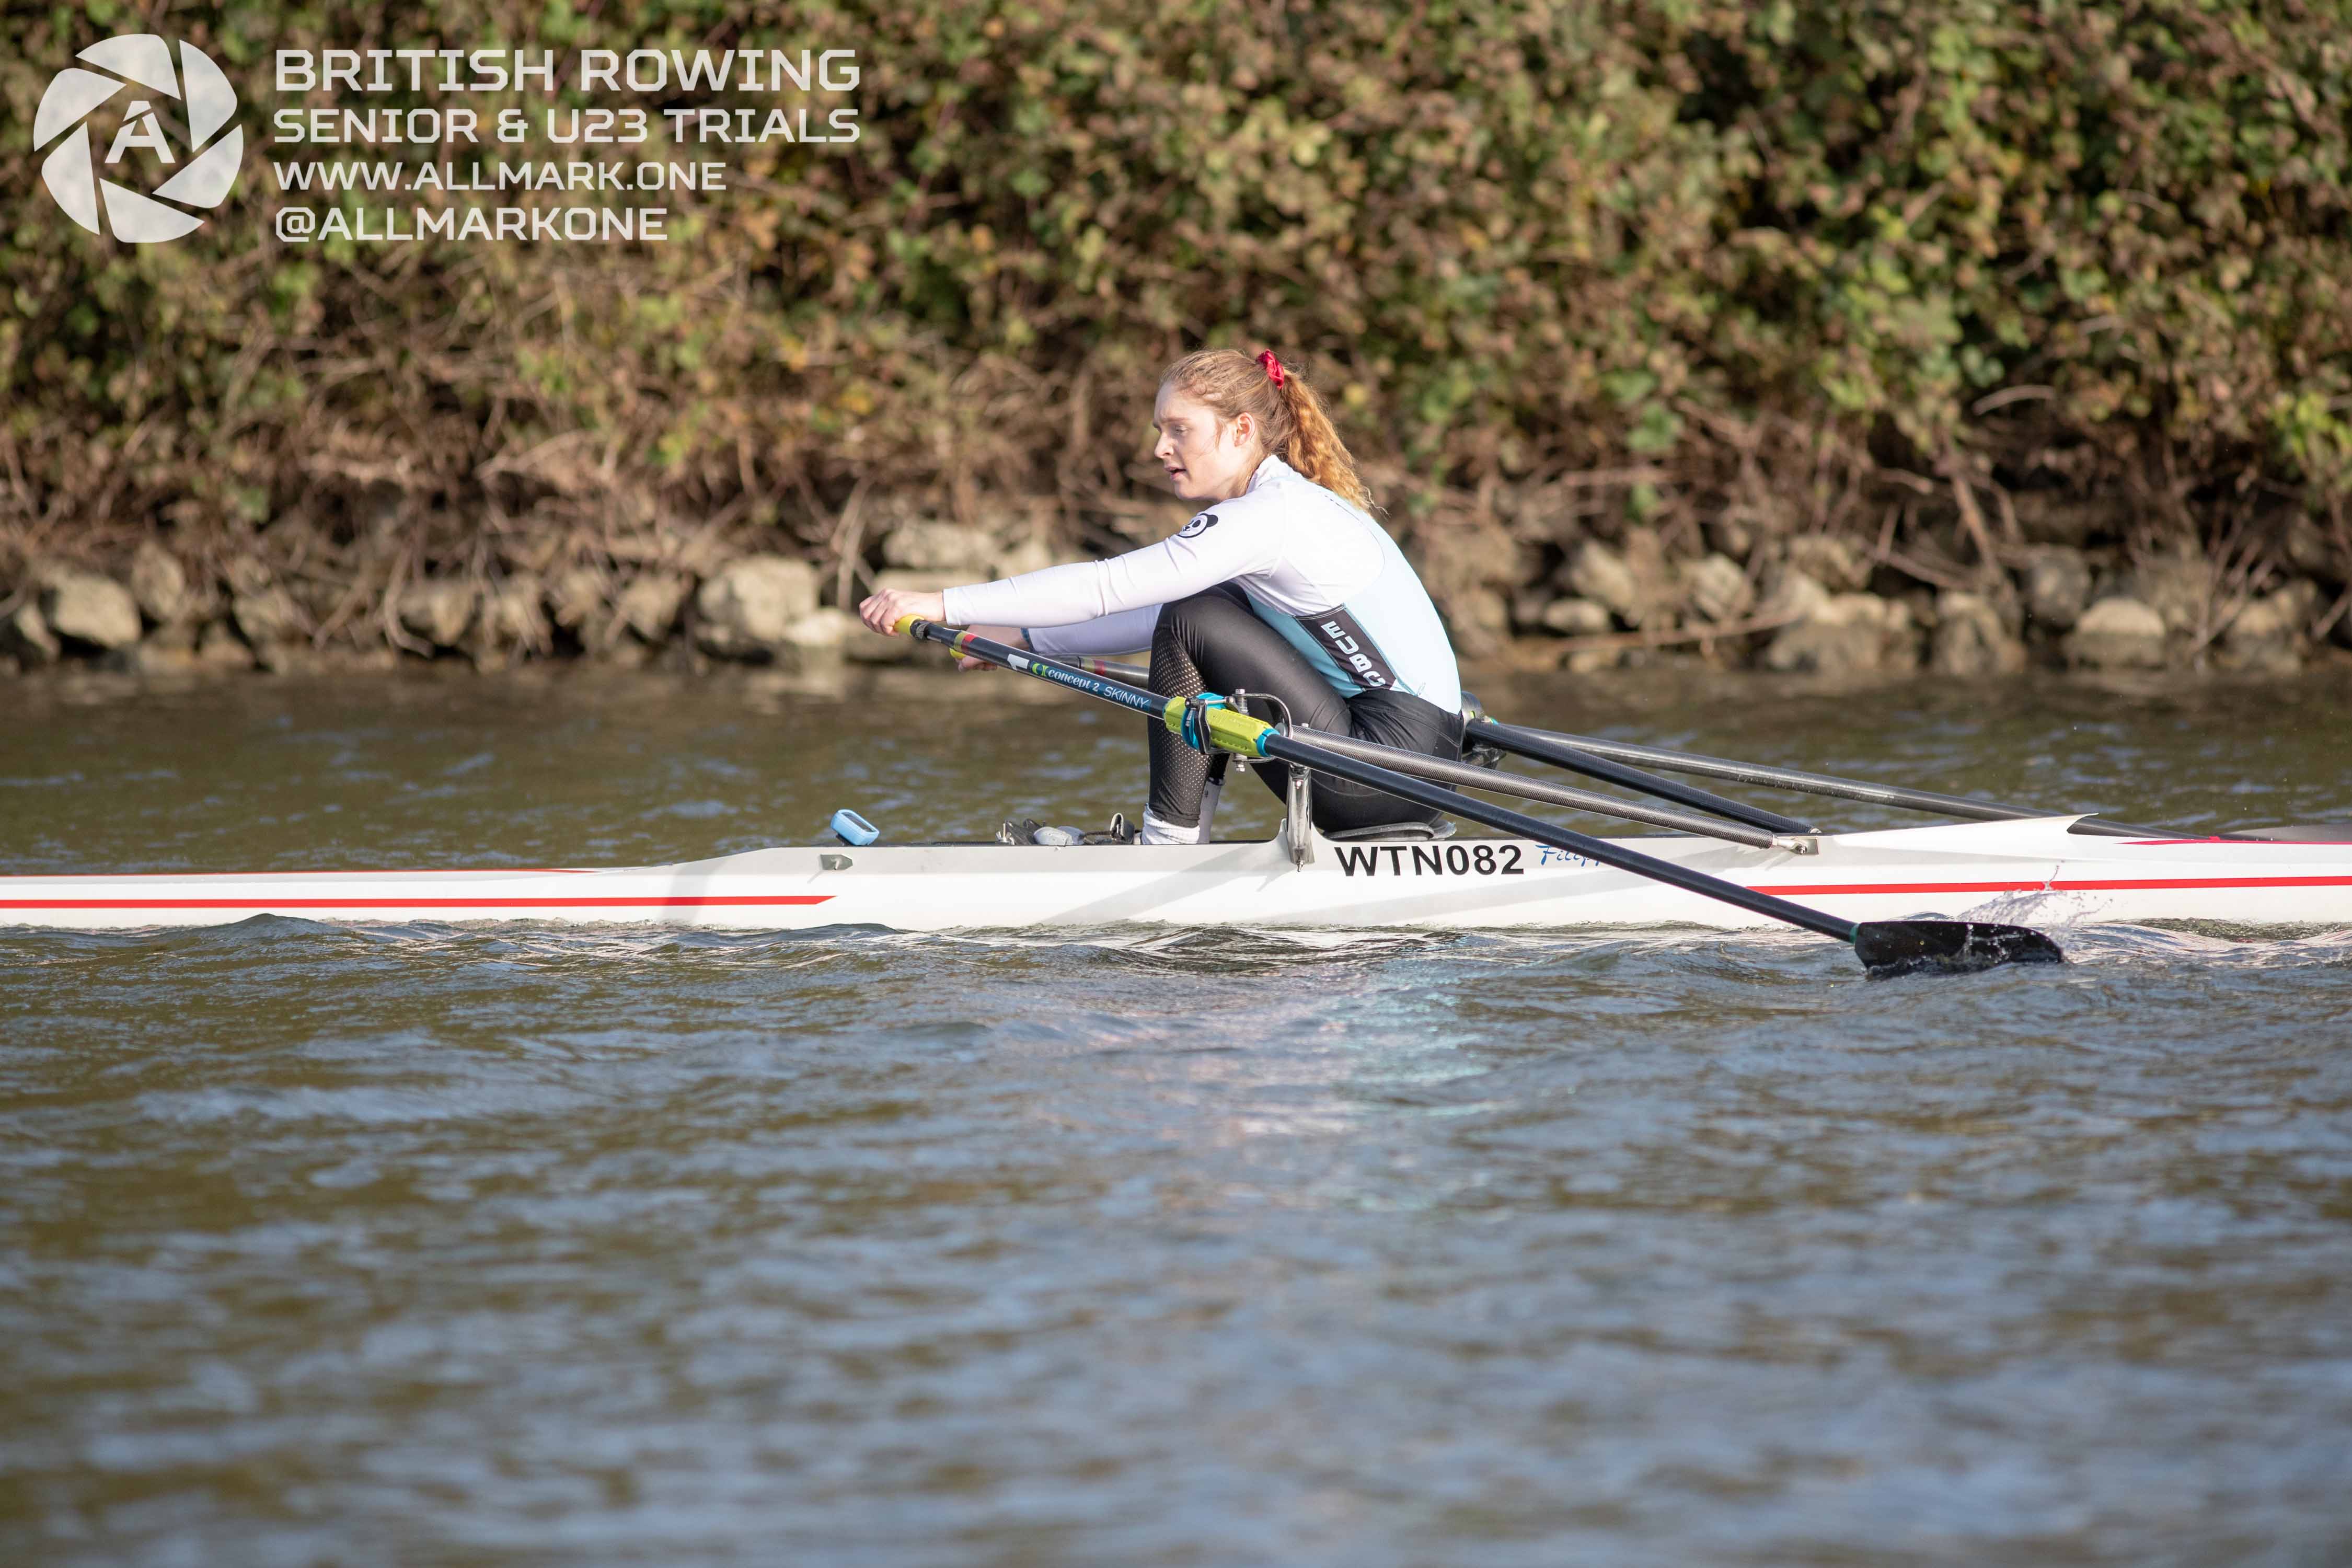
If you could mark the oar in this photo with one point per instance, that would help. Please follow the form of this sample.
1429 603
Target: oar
1537 746
1968 807
1544 749
1133 674
1492 780
1597 758
1884 947
1592 756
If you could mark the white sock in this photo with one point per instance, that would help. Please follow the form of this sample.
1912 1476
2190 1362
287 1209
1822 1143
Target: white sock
1158 832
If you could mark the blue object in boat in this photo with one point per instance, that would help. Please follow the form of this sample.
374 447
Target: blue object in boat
854 829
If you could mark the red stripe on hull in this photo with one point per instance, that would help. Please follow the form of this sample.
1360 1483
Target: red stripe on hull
342 871
2118 885
686 903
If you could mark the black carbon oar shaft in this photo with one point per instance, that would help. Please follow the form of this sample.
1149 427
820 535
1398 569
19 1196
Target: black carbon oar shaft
1605 851
1390 782
1884 947
1541 746
1468 775
1968 807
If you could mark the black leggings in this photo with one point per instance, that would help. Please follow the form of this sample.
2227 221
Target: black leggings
1215 642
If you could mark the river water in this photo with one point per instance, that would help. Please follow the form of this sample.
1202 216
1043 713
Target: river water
431 1244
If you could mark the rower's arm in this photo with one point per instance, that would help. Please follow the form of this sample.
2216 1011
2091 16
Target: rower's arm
1190 563
1122 632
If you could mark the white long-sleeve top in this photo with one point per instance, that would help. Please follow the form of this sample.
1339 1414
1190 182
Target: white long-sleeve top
1318 571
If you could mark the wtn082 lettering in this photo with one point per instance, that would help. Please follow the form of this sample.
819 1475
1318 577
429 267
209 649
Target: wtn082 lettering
1430 859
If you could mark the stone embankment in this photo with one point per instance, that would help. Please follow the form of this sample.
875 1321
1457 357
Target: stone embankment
1823 604
157 617
1812 604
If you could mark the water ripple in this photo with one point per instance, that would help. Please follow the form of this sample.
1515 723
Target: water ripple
418 1242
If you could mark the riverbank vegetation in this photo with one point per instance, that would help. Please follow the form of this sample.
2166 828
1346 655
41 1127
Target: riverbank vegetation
1830 335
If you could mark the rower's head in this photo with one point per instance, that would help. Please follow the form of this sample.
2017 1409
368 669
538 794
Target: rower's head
1221 412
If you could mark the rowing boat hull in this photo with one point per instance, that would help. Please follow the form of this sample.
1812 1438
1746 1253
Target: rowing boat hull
2022 871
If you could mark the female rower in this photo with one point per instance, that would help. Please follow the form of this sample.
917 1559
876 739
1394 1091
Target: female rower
1281 584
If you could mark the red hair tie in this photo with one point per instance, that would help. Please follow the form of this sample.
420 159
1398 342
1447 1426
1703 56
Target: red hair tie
1272 365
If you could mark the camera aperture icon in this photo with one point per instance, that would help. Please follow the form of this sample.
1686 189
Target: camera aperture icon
75 171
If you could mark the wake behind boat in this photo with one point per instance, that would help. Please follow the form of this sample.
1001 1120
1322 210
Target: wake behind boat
2045 870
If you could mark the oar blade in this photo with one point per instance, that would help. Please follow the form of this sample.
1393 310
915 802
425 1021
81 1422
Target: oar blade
1889 948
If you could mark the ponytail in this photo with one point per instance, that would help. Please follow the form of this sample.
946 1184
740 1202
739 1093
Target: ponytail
1295 424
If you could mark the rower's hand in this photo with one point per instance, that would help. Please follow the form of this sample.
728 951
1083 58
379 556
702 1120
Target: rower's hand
1012 636
885 610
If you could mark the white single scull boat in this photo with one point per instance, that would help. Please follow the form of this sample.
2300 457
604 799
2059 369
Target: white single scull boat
2032 870
1941 900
